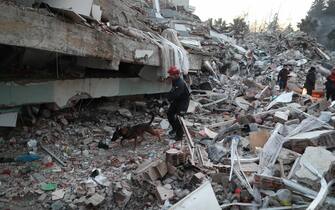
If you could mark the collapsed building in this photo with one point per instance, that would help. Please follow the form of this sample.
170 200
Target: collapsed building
247 145
56 52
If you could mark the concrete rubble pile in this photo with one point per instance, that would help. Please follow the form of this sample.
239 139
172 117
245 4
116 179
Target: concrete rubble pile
246 145
294 48
266 158
274 154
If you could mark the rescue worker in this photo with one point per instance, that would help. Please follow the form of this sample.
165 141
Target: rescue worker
310 81
250 60
330 86
283 77
179 98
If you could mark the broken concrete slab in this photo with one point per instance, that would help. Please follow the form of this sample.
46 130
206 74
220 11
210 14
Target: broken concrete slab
125 113
161 168
299 142
198 178
58 205
209 133
42 197
281 117
292 122
80 7
58 194
122 196
95 199
283 98
163 194
249 167
325 116
202 198
192 107
175 157
146 171
242 103
110 130
319 158
309 124
151 170
143 54
102 180
287 156
82 199
72 15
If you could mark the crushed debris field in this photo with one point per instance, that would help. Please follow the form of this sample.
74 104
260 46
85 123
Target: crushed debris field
85 115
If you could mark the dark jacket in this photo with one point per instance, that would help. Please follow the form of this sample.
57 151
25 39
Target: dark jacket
310 80
179 94
283 74
330 87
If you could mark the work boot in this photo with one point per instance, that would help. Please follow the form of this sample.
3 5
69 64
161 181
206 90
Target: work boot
172 133
178 138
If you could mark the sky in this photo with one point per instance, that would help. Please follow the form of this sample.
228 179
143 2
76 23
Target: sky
290 11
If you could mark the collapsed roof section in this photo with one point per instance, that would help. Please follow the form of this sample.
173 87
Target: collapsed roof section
46 41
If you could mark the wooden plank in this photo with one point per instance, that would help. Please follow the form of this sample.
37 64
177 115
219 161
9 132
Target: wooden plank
190 142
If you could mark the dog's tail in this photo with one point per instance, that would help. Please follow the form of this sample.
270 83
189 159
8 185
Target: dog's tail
152 118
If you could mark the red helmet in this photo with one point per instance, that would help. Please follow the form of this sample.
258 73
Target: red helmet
173 70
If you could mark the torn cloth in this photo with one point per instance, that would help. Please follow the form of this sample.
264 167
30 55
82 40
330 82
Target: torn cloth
178 56
171 54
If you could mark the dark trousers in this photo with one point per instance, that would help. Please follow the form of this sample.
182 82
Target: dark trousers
330 94
282 84
309 91
330 91
174 110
